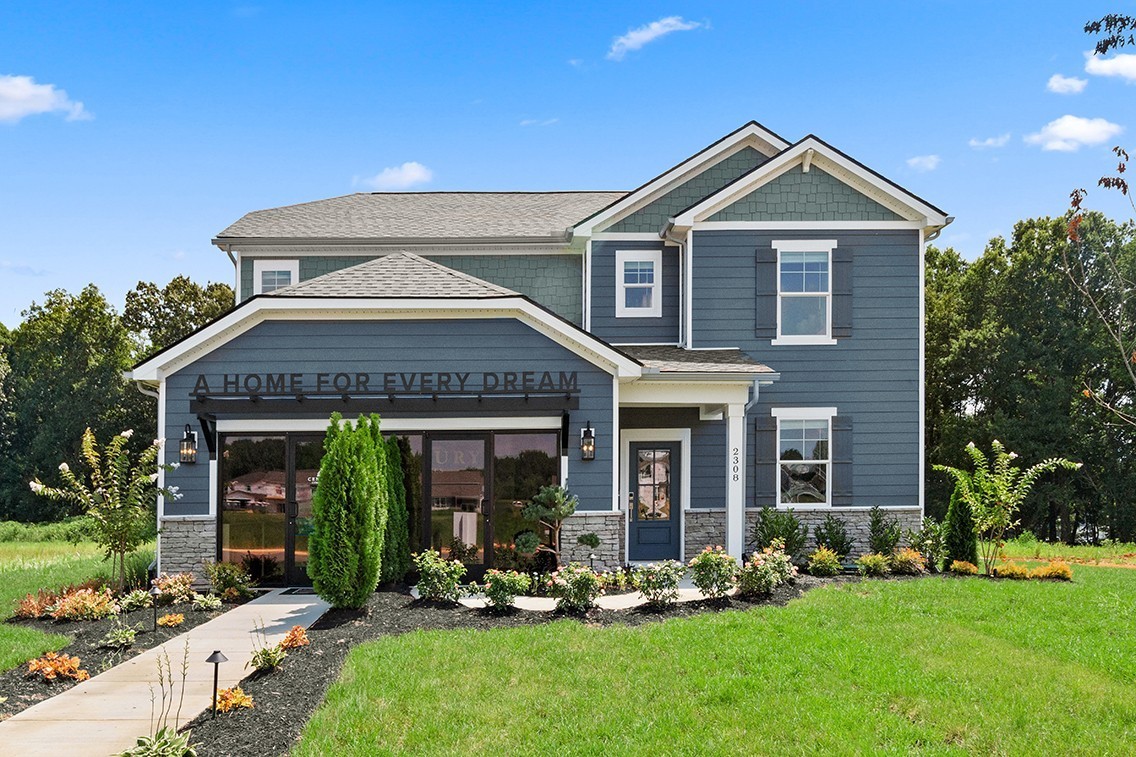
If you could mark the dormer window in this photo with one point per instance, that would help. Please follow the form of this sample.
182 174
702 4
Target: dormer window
638 286
270 275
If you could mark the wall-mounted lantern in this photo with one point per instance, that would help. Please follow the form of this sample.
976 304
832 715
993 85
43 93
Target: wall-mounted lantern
189 446
588 442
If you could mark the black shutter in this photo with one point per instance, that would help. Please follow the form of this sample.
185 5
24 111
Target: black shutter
841 455
766 320
841 293
765 462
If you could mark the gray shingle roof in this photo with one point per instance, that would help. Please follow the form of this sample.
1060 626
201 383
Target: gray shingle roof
400 274
424 215
669 359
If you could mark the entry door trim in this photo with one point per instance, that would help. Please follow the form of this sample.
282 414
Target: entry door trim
642 435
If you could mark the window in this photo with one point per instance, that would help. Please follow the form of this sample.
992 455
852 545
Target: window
638 286
270 275
803 456
804 292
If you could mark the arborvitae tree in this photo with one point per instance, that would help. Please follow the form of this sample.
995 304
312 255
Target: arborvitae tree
344 555
396 542
377 452
961 541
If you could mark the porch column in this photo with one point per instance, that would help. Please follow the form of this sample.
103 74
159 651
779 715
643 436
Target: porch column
735 480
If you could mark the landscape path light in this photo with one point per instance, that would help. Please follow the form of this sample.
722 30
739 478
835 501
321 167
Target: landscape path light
155 592
215 660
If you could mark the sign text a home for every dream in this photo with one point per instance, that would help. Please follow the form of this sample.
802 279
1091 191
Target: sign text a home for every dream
354 382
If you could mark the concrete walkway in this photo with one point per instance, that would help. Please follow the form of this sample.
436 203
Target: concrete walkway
108 713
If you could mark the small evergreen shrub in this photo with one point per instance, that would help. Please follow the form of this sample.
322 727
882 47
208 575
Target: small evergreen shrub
232 699
296 637
930 541
873 565
171 620
1013 570
138 599
174 590
714 572
883 532
438 578
1057 570
824 563
206 603
833 534
53 666
589 540
959 539
658 582
773 524
526 541
229 579
963 568
85 604
396 538
575 587
908 562
503 586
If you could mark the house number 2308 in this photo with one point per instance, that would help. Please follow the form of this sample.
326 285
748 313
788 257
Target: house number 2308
735 464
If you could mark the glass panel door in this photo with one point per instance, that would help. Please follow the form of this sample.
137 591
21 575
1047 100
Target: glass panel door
307 453
456 515
653 532
253 505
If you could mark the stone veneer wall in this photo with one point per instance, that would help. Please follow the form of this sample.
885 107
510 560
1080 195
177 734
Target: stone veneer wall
609 526
184 545
704 528
856 521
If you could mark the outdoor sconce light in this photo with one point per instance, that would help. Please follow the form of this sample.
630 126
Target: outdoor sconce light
189 446
588 442
155 592
215 660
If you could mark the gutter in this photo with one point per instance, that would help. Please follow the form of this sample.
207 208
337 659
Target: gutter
935 234
225 243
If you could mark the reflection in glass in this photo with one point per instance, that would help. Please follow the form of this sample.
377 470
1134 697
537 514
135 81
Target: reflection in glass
253 493
522 464
457 495
309 454
804 483
654 484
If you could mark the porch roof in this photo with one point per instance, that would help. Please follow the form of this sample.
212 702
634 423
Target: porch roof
672 359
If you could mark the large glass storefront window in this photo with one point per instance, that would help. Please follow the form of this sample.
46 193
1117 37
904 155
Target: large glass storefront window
253 504
522 463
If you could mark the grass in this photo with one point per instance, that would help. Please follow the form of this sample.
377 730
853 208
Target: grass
26 567
1116 553
938 665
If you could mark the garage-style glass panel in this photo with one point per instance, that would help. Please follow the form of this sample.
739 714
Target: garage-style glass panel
522 464
253 505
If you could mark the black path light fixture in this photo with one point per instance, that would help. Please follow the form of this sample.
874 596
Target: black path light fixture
188 447
588 442
155 592
215 660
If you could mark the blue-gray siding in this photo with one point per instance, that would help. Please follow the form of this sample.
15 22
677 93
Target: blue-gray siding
395 346
873 376
707 454
605 325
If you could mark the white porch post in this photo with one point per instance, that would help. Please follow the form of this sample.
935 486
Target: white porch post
735 480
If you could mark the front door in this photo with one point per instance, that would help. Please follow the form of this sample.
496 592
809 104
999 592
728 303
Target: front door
655 509
305 455
455 518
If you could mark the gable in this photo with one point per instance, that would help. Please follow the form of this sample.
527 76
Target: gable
799 196
653 216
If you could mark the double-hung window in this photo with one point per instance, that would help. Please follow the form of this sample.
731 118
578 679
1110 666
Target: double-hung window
803 456
270 275
639 284
804 291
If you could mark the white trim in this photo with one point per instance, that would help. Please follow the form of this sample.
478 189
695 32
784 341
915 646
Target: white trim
804 414
617 487
258 310
806 225
496 423
782 341
626 236
237 282
345 248
680 435
655 258
161 506
588 286
922 374
711 395
564 471
689 284
213 473
797 246
842 508
804 245
735 480
260 266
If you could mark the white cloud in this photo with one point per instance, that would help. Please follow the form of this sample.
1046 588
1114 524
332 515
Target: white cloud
575 62
20 269
539 121
1065 85
20 97
1071 133
1123 65
924 163
990 142
408 175
635 39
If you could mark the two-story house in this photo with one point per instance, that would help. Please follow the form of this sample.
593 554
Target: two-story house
743 331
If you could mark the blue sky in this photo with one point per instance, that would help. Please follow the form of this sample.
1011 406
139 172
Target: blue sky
130 134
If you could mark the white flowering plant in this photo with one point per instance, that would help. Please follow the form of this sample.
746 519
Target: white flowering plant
575 587
118 493
658 582
714 572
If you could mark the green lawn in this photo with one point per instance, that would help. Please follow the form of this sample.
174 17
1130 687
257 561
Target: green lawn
1118 553
26 567
938 665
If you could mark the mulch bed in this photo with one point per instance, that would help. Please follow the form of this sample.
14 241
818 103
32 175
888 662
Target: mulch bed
286 699
22 692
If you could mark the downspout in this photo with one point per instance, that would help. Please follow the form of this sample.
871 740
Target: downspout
667 236
145 389
935 234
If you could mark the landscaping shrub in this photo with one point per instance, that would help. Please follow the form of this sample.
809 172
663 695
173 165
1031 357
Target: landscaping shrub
873 565
52 666
658 582
883 532
73 530
780 561
174 590
959 539
773 524
758 577
548 509
908 562
615 580
206 603
345 547
36 605
1013 570
171 620
833 534
503 586
119 637
714 572
589 540
575 587
229 579
260 567
930 542
824 562
165 742
295 638
1057 570
135 600
267 658
396 539
85 604
232 699
963 568
438 578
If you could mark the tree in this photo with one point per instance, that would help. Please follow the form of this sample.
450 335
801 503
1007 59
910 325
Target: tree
396 539
961 541
159 317
549 507
118 497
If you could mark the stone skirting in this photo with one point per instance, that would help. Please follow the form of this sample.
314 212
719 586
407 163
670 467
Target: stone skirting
185 545
855 520
609 526
703 528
